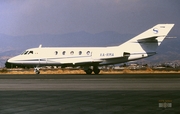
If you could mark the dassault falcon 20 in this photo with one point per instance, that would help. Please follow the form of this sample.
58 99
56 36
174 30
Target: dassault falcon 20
89 58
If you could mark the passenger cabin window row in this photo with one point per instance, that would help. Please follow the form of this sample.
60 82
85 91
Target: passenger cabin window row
56 53
72 53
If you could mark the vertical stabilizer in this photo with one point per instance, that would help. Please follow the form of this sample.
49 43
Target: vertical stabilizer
147 41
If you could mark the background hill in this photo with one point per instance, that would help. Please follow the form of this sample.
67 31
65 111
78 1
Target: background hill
169 50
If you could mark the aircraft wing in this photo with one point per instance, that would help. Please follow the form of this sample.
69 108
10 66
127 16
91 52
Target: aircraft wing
81 61
88 62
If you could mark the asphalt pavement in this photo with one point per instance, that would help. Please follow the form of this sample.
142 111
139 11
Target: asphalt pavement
125 93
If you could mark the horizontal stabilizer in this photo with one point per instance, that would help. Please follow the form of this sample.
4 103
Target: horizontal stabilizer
148 40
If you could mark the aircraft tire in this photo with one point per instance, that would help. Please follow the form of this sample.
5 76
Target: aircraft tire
88 71
96 71
37 72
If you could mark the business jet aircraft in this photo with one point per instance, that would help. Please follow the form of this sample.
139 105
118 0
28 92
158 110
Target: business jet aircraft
141 46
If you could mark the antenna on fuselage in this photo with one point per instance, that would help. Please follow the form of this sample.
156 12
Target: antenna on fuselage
40 45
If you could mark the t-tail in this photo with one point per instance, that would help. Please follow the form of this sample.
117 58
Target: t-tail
146 43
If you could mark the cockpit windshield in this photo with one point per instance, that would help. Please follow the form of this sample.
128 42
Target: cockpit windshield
24 53
27 53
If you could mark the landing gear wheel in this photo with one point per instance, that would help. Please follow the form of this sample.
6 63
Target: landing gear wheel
36 70
88 71
96 71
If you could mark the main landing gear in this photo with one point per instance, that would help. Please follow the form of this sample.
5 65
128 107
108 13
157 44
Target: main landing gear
95 69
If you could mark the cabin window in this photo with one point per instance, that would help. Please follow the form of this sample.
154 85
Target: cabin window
56 52
72 52
30 52
88 52
80 52
63 53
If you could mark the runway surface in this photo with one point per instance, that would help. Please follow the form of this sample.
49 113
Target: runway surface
125 93
89 82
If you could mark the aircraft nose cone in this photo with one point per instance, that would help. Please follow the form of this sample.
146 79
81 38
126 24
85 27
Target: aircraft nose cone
7 64
12 60
9 60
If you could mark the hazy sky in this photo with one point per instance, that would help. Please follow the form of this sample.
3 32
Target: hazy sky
24 17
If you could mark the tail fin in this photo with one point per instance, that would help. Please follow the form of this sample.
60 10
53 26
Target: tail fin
147 41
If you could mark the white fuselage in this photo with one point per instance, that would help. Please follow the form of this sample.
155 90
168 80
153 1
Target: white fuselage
75 56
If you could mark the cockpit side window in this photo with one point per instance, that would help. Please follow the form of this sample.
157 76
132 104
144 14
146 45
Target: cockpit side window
30 52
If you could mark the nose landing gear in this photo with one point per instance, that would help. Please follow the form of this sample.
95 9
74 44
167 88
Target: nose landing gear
37 70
